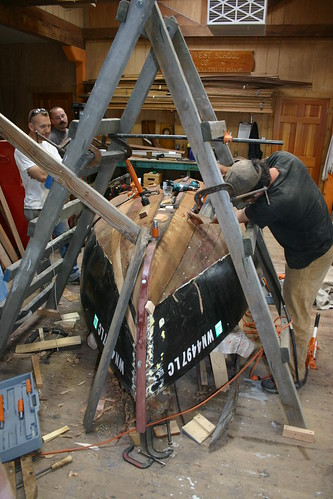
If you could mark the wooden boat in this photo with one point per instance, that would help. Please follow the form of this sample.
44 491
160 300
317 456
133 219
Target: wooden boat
188 277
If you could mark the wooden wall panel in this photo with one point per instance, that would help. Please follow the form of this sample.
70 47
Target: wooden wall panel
16 91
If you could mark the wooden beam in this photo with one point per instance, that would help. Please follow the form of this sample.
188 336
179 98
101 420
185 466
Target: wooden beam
95 34
272 31
42 24
39 346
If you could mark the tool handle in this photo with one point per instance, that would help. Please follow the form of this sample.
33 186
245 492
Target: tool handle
60 464
28 385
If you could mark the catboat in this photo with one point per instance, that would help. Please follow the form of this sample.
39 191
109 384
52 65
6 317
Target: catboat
187 278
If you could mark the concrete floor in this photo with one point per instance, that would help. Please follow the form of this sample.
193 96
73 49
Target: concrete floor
253 460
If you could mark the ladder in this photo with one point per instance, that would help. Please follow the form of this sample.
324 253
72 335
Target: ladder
170 53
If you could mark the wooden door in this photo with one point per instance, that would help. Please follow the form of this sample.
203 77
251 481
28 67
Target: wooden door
301 123
50 100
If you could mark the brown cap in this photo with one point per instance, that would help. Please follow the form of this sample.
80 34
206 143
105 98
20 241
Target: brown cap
243 176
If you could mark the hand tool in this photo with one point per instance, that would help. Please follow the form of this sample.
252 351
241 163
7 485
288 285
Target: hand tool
131 171
199 195
52 467
2 415
140 451
313 346
20 406
28 385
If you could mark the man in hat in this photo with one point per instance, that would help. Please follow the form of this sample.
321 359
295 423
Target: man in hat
299 220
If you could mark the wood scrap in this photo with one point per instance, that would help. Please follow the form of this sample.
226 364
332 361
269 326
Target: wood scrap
36 369
161 217
161 430
144 212
49 344
55 434
199 428
298 433
70 316
67 324
219 368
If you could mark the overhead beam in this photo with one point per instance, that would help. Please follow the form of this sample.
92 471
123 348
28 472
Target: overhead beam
199 31
42 24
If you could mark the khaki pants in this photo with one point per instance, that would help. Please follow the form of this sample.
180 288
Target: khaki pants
299 291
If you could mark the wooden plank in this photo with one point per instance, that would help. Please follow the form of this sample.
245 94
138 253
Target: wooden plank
5 241
4 258
29 478
36 369
55 434
298 433
219 368
11 222
49 344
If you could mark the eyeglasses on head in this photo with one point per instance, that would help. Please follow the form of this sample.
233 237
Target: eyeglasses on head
38 110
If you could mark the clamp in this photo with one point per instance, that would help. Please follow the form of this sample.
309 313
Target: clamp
200 195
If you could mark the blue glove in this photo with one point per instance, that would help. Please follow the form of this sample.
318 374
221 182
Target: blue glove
48 182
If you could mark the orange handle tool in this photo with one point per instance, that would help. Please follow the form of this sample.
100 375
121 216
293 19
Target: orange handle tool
2 415
28 385
20 408
134 176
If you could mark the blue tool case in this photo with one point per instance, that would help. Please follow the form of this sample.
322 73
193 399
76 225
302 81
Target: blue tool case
19 431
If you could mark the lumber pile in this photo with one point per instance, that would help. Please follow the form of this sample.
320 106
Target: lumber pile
224 96
234 89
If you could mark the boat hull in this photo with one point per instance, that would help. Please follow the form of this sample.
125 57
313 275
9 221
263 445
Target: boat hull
196 310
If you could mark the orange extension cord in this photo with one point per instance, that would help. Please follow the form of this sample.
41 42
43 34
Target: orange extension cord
249 328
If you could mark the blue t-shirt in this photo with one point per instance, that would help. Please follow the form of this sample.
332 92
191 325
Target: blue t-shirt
297 215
